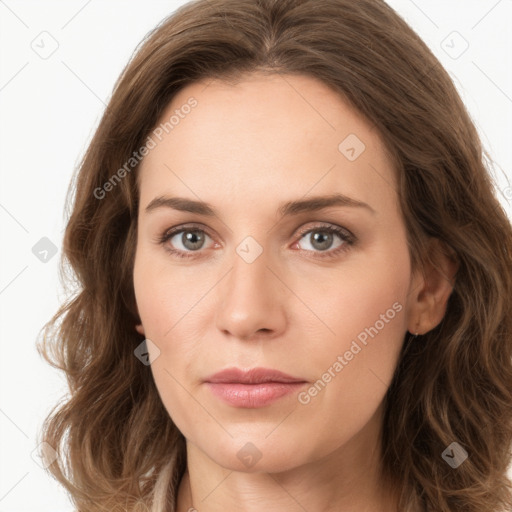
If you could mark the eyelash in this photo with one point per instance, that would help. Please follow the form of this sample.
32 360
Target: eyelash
348 238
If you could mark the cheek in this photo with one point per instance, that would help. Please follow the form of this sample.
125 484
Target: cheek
351 294
368 289
165 294
168 301
364 307
165 306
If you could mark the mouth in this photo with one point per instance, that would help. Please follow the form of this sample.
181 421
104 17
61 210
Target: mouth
253 388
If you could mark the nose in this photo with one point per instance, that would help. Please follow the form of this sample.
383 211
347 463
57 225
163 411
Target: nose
251 299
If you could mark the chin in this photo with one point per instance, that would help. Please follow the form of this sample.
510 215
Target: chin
259 452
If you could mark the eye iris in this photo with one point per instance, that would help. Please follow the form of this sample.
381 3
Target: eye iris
324 239
196 238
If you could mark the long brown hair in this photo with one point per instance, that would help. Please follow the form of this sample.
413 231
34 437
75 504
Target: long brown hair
117 447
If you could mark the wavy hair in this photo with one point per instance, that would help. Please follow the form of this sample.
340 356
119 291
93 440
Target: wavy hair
117 447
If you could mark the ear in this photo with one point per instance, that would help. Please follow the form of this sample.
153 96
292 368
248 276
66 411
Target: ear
431 288
134 310
138 327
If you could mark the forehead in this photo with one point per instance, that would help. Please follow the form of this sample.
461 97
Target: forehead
267 134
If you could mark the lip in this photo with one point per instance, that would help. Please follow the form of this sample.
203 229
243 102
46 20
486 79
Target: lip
256 387
251 376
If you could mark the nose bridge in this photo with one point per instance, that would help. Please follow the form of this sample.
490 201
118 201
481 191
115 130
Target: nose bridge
250 278
250 298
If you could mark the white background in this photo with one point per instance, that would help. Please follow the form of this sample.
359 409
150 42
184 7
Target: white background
49 109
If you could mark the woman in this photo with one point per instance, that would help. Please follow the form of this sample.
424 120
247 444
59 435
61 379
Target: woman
295 276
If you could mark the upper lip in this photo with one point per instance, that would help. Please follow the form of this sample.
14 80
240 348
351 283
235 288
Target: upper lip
251 376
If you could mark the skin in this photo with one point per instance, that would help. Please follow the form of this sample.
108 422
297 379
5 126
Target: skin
245 149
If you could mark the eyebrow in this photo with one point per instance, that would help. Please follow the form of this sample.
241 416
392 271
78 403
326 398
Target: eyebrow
288 208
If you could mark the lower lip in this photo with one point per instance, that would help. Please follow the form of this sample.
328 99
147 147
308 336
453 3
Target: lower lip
251 396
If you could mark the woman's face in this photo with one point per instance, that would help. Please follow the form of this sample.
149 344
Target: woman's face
258 280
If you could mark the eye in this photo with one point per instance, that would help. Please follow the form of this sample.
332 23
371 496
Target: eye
184 240
321 239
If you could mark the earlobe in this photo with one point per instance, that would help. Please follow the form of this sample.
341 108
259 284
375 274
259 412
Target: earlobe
437 285
138 327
